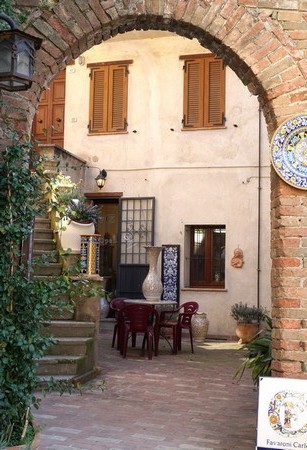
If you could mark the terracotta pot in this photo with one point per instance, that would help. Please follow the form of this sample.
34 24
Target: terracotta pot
246 331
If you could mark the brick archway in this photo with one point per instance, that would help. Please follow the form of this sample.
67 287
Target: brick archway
266 59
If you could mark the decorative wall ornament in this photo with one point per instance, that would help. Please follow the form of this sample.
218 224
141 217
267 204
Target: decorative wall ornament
90 248
237 260
289 151
171 272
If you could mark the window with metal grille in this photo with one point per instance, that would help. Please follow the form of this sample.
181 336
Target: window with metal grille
136 229
207 255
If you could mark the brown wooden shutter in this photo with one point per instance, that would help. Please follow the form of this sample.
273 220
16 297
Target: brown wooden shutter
204 92
214 101
117 98
193 93
98 100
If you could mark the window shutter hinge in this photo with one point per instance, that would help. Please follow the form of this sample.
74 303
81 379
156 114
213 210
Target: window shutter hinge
89 125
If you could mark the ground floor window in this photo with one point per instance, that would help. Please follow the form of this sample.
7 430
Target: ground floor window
207 255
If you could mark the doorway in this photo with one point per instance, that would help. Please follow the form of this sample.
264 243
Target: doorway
107 227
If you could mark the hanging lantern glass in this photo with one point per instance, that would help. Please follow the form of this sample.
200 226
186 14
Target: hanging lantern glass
17 51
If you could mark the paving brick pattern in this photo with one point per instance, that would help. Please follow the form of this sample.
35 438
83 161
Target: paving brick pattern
184 401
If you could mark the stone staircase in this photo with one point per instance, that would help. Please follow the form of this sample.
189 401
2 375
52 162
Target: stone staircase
72 358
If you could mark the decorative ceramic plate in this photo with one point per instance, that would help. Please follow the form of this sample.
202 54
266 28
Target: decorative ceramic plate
289 151
287 413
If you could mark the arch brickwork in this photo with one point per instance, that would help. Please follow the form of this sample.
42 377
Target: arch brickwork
268 56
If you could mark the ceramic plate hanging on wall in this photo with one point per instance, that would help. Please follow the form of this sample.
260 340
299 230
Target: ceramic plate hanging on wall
289 151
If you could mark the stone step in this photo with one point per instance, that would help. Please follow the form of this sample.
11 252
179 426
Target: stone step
71 346
45 270
61 365
63 313
69 328
42 222
44 244
50 255
69 379
43 233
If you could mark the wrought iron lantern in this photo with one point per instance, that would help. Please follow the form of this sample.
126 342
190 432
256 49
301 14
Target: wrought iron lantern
17 51
101 178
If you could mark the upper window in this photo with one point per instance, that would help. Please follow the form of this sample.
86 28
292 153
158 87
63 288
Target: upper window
207 256
204 92
108 97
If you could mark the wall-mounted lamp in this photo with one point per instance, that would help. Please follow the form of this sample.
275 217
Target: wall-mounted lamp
17 51
101 178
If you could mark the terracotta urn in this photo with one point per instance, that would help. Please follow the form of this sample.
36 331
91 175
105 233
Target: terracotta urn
246 331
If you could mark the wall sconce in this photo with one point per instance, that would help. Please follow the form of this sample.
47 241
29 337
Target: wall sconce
17 51
101 178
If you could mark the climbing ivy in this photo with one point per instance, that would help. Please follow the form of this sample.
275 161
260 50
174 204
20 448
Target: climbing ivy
25 301
9 8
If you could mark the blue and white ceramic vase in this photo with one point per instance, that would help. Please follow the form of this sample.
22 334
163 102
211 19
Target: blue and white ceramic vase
152 287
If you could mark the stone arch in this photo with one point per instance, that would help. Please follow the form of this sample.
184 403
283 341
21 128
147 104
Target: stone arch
266 60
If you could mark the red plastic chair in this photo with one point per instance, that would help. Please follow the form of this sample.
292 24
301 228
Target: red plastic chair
141 319
118 304
177 320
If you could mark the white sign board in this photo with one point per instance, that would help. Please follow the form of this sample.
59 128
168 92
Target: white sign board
282 414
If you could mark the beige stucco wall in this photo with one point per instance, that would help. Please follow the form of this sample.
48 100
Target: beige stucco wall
197 177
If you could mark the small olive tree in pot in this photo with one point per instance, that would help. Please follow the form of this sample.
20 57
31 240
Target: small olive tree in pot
248 319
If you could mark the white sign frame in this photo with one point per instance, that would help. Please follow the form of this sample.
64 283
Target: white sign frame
282 414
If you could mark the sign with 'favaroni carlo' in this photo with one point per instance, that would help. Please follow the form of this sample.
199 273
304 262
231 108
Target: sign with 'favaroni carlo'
282 414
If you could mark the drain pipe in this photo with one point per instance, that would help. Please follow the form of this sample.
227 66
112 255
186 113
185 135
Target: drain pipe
259 207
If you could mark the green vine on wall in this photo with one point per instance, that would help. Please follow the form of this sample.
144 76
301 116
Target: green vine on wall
9 8
20 13
25 301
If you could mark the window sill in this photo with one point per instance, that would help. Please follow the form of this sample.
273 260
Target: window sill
200 289
220 127
107 133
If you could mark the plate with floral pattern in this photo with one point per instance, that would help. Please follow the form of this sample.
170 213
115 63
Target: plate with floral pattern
287 413
289 151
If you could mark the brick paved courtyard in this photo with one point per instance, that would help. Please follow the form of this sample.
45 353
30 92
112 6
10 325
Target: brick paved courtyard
184 401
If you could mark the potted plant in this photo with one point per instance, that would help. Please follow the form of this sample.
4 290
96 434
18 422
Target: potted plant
74 213
248 319
258 355
25 301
